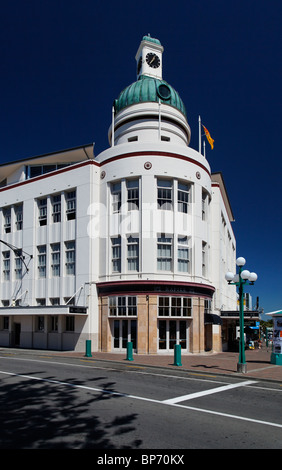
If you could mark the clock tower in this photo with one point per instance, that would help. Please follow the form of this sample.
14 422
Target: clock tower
149 58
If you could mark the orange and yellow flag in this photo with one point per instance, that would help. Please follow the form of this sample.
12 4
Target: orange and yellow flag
208 136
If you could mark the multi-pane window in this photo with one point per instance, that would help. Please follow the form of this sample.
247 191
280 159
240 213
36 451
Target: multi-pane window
70 257
133 253
205 201
71 205
42 210
19 217
183 197
6 265
183 254
18 264
116 197
37 170
175 307
204 259
122 306
133 195
41 256
56 208
7 220
55 259
207 306
164 253
116 254
164 188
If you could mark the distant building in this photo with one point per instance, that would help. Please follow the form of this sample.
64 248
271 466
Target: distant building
130 245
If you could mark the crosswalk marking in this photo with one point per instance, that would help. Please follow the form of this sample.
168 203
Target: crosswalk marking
190 396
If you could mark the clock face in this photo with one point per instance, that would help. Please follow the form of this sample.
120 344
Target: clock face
153 60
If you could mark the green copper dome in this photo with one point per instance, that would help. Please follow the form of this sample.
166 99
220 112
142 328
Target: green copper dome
148 38
149 89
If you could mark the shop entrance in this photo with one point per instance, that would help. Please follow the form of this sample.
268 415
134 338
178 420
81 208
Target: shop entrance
173 332
122 332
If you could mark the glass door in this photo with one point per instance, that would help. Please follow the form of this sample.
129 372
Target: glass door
123 331
172 332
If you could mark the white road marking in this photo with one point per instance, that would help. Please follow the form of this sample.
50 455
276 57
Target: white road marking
110 392
190 396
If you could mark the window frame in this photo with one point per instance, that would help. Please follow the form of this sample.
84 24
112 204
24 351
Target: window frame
170 305
122 306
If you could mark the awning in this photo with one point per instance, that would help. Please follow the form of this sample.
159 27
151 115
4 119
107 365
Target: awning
44 310
211 318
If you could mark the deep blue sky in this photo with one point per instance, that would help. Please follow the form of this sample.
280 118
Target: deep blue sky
63 62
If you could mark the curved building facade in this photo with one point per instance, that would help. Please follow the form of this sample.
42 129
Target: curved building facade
129 246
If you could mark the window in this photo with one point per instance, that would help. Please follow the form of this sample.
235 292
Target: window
5 323
55 301
116 197
7 220
133 254
183 254
36 170
40 323
207 306
42 208
175 307
183 197
164 255
164 194
6 265
18 264
71 205
205 202
70 258
164 306
70 326
40 302
56 208
204 259
54 323
122 306
41 261
55 259
19 217
116 254
133 195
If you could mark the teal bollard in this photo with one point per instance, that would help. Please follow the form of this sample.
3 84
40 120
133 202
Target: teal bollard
129 347
88 348
177 355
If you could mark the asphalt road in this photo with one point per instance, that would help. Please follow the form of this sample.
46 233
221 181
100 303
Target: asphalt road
52 402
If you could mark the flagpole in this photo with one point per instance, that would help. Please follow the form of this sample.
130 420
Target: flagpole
113 126
200 138
159 119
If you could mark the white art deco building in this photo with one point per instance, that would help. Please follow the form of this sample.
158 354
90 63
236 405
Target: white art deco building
130 245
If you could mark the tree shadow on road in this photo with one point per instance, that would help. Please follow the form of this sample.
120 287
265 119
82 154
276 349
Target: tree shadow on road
42 415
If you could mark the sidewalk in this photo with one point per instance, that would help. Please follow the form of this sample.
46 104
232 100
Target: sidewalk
225 363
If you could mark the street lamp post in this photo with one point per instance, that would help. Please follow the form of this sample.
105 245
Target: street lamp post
239 280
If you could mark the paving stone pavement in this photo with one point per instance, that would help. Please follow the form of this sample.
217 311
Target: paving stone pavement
225 363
